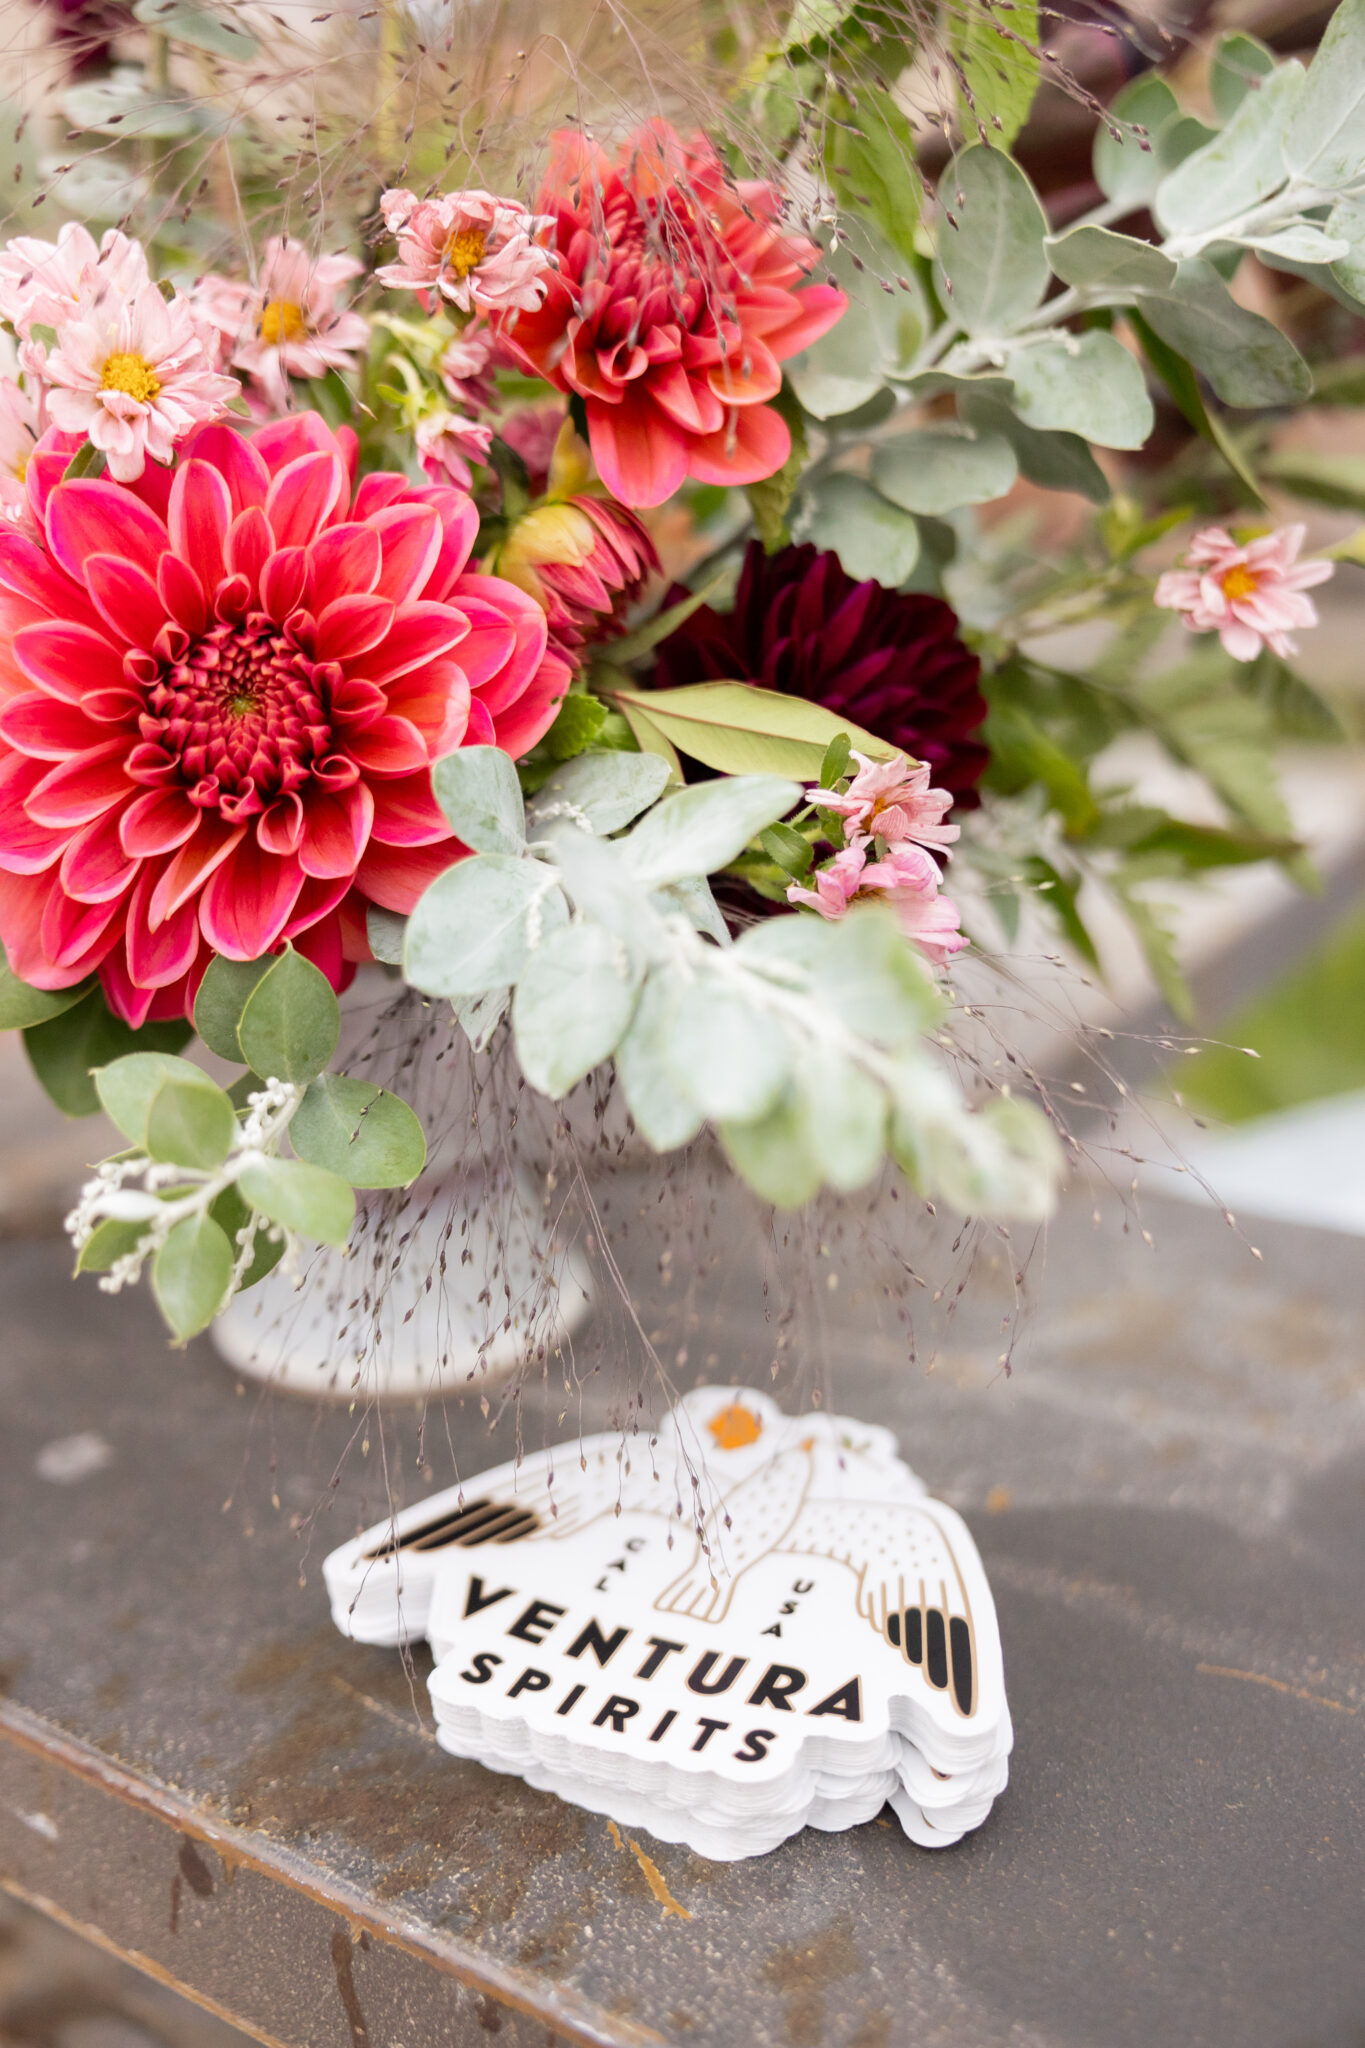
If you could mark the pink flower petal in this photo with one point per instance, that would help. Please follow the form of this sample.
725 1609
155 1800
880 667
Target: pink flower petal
201 511
419 633
344 561
92 517
397 877
245 904
411 537
350 627
640 455
753 445
126 598
81 789
302 496
157 822
336 829
67 660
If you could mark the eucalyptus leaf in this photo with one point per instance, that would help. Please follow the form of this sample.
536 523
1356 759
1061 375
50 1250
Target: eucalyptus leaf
1302 242
726 1054
598 878
1325 141
936 470
878 337
222 997
64 1050
205 28
572 1006
740 729
992 265
478 790
191 1275
604 790
21 1005
479 1016
1243 164
862 970
366 1135
474 928
1238 64
698 830
1056 462
1125 170
872 537
1096 259
190 1122
843 1113
770 1153
109 1242
127 1088
664 1116
123 104
1000 65
693 898
290 1022
1346 222
1246 359
384 929
232 1214
306 1199
1086 384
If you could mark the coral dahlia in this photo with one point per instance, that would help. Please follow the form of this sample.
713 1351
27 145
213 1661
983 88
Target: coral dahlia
890 661
223 690
675 302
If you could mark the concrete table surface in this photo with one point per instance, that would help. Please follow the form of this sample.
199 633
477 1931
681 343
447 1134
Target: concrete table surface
1169 1493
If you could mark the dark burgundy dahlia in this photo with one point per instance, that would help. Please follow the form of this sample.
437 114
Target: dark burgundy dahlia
889 662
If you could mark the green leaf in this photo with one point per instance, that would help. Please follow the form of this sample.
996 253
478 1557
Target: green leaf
740 729
306 1199
1055 462
870 156
1124 170
1180 380
872 537
602 791
384 929
207 28
221 1000
231 1214
664 1116
472 930
572 1006
291 1022
478 790
631 646
843 1114
999 67
364 1134
1097 259
1059 895
879 335
1085 384
22 1006
992 267
109 1242
940 469
699 830
128 1086
790 849
1336 480
123 105
834 767
724 1053
1325 141
1248 361
1241 166
862 970
770 498
88 460
577 725
190 1123
1022 753
65 1049
1347 221
1159 949
191 1275
479 1016
770 1154
1238 64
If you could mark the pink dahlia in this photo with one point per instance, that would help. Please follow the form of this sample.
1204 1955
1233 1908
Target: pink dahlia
48 283
481 253
291 323
675 302
891 800
1251 596
133 376
224 691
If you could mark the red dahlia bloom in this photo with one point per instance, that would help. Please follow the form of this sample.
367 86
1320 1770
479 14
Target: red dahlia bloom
674 303
888 660
223 688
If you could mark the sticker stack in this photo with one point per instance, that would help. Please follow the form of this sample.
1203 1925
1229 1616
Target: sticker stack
746 1625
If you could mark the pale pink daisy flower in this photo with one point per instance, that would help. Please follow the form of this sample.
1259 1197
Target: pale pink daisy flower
909 879
479 252
48 283
1251 596
836 884
291 322
20 426
891 800
134 378
448 443
467 369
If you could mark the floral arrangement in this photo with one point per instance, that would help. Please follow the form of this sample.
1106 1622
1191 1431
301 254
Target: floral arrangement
337 627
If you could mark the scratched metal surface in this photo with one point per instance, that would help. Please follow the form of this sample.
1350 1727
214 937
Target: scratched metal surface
1169 1494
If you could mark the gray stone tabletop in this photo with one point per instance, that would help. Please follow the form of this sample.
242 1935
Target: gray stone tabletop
1168 1491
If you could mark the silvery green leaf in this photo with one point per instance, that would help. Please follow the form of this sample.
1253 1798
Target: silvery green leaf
1242 165
1238 65
479 1016
878 336
1247 359
367 1135
601 884
1124 170
1302 242
863 970
935 383
664 1115
1099 260
124 104
384 930
1325 141
940 469
992 267
725 1052
191 1275
1347 220
128 1087
206 28
843 1113
474 928
478 790
306 1199
604 791
871 537
770 1154
572 1006
703 828
1056 462
694 899
1085 384
1002 1160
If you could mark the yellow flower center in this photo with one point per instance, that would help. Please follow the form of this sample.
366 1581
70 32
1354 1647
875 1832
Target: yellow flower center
1239 581
131 374
20 470
283 321
464 251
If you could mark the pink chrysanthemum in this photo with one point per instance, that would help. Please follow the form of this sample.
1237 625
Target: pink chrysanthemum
467 369
289 324
225 689
891 800
49 283
676 301
133 376
1251 596
479 252
906 877
446 445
